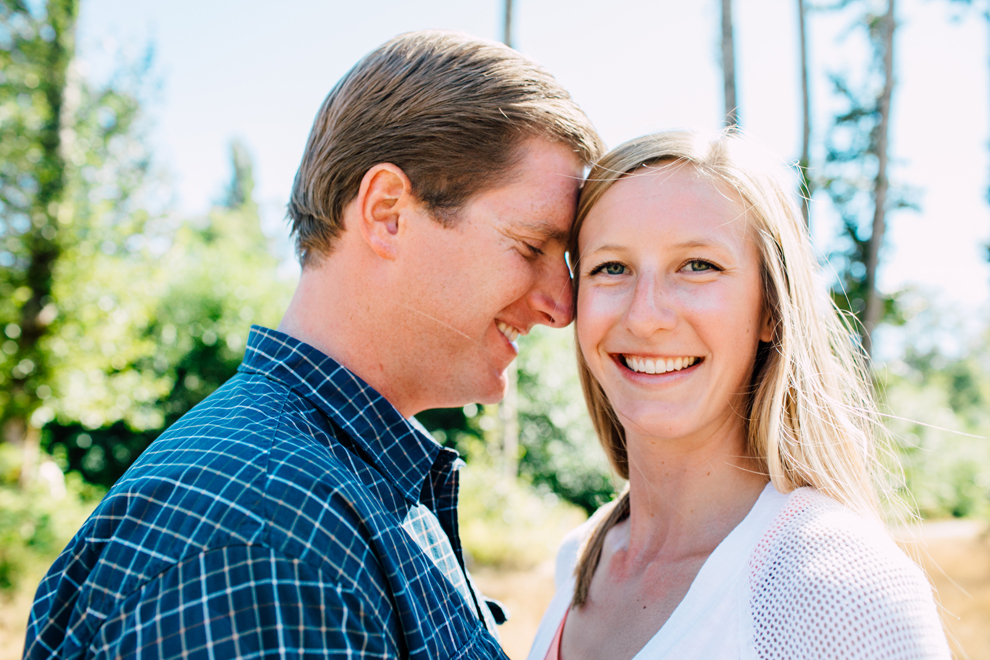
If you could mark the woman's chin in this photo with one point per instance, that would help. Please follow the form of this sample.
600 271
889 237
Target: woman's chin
653 424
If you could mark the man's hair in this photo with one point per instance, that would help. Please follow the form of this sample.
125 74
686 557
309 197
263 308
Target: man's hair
449 109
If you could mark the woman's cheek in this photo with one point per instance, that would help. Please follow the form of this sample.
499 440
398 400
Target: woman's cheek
599 311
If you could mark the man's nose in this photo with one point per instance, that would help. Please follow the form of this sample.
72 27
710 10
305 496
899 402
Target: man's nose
553 297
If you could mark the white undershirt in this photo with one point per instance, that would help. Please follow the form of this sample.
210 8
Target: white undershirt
800 577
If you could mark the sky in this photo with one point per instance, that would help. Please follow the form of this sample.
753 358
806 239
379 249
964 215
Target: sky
241 70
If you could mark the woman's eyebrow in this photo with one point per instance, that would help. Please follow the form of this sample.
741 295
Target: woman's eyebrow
605 248
699 243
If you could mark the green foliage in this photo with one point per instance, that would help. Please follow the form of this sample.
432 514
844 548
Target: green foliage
63 250
505 521
560 447
36 524
35 50
147 339
940 419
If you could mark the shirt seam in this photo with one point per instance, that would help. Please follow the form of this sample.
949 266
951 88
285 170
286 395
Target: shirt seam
268 509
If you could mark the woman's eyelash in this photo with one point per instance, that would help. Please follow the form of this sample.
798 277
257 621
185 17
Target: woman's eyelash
710 265
605 266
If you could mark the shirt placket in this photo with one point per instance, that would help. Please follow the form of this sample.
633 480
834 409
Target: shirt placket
440 493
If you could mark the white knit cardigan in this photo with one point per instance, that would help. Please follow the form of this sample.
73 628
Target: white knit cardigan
800 577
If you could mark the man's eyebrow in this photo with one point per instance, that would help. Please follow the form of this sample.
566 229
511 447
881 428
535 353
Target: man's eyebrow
547 229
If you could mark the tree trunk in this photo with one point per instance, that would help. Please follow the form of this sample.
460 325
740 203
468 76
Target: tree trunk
729 67
806 184
42 239
872 313
507 24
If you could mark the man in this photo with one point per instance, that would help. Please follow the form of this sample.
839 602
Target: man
297 512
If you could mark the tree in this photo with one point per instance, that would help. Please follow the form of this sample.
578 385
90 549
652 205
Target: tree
806 184
729 67
857 178
507 23
560 449
153 335
35 61
872 310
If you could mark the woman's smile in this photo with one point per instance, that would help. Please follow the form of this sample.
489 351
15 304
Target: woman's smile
655 365
670 307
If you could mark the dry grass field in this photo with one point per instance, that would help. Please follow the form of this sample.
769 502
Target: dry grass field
956 555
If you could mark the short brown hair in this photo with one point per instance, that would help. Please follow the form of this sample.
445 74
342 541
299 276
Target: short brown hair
449 109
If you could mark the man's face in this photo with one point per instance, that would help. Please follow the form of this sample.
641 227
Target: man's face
470 290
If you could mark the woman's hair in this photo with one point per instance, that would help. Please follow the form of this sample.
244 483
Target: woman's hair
812 419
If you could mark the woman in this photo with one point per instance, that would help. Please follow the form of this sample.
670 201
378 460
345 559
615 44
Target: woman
726 389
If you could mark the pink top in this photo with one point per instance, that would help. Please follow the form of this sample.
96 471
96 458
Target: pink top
553 653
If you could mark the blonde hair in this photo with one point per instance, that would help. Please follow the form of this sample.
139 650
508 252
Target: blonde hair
813 420
451 110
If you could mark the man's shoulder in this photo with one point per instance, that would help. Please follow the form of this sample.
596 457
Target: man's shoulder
252 466
250 456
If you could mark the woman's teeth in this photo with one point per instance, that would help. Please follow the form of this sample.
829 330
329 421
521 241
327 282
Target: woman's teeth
658 365
510 333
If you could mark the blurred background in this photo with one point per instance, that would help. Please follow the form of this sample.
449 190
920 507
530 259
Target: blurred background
147 152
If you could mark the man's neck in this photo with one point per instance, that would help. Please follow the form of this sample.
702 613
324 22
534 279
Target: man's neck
330 314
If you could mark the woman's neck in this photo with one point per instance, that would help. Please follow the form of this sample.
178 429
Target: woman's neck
687 494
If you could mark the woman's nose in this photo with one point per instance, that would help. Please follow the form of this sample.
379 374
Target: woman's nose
651 307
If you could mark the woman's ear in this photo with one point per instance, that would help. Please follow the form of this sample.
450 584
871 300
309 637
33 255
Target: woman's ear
767 328
384 194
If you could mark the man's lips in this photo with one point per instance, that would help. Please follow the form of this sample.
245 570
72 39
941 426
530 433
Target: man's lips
508 331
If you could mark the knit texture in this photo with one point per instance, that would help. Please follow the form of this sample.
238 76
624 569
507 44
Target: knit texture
826 583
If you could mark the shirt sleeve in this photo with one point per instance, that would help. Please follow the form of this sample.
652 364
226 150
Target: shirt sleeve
246 601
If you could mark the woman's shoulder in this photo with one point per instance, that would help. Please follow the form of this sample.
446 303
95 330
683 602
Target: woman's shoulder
824 577
811 527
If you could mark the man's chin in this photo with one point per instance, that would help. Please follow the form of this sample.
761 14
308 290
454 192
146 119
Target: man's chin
492 391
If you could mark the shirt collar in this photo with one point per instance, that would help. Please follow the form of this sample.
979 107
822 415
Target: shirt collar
401 452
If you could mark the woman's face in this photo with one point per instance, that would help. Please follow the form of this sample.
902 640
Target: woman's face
669 311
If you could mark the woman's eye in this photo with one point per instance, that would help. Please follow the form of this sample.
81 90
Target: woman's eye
609 268
700 266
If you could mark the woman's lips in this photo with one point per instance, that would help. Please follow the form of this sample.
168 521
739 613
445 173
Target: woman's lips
655 365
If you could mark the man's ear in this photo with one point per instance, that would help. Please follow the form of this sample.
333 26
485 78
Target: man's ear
384 194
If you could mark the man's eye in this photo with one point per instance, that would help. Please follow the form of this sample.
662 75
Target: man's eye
609 268
531 251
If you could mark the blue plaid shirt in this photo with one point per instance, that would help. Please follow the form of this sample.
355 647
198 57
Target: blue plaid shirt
293 513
